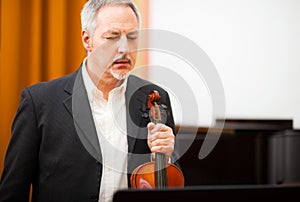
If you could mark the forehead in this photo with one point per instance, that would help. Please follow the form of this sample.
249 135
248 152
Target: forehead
116 17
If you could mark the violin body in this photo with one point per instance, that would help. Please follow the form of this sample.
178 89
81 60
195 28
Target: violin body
143 176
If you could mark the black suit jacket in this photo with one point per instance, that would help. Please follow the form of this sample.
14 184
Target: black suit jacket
57 151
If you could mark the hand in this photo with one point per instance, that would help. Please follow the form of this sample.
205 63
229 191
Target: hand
160 139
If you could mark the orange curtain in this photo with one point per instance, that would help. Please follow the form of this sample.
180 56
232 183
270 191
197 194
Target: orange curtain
40 40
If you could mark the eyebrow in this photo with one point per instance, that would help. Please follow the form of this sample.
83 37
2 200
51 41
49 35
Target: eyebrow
113 32
133 32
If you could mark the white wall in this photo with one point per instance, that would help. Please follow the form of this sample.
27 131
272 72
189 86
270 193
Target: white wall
254 45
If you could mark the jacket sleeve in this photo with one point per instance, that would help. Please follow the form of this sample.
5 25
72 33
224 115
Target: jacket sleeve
21 158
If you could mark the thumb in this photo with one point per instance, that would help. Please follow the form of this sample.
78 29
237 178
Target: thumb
150 126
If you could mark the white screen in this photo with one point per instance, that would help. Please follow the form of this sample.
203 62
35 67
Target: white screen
254 45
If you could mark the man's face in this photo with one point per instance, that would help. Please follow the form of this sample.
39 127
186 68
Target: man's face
114 43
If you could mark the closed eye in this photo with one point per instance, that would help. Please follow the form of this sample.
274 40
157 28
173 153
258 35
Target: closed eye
112 37
132 35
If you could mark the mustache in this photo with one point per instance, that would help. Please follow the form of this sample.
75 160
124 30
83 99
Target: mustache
122 58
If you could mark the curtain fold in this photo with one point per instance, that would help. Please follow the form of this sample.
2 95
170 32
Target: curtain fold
40 40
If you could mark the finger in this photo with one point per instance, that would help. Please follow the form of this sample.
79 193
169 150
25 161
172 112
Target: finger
150 126
157 149
162 142
167 150
161 135
160 128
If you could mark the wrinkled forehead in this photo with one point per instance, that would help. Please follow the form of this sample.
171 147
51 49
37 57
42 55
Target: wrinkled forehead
117 17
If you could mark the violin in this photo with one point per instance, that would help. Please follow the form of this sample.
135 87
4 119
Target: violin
157 173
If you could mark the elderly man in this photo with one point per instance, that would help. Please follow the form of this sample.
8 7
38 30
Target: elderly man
79 137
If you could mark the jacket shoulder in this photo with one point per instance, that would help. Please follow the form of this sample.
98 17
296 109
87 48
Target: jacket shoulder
53 86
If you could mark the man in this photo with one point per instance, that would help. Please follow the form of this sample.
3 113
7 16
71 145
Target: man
79 137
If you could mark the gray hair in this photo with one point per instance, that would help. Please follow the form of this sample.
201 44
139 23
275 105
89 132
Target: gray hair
90 9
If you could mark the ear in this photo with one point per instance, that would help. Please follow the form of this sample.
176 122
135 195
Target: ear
86 40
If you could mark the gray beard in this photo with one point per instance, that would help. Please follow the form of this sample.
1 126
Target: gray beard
118 76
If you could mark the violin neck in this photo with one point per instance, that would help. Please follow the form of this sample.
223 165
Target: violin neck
160 170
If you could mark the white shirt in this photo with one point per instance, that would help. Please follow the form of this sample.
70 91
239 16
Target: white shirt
110 121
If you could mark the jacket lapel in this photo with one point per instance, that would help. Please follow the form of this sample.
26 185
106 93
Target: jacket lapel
136 113
79 107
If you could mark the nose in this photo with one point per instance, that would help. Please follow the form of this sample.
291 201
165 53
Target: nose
123 45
